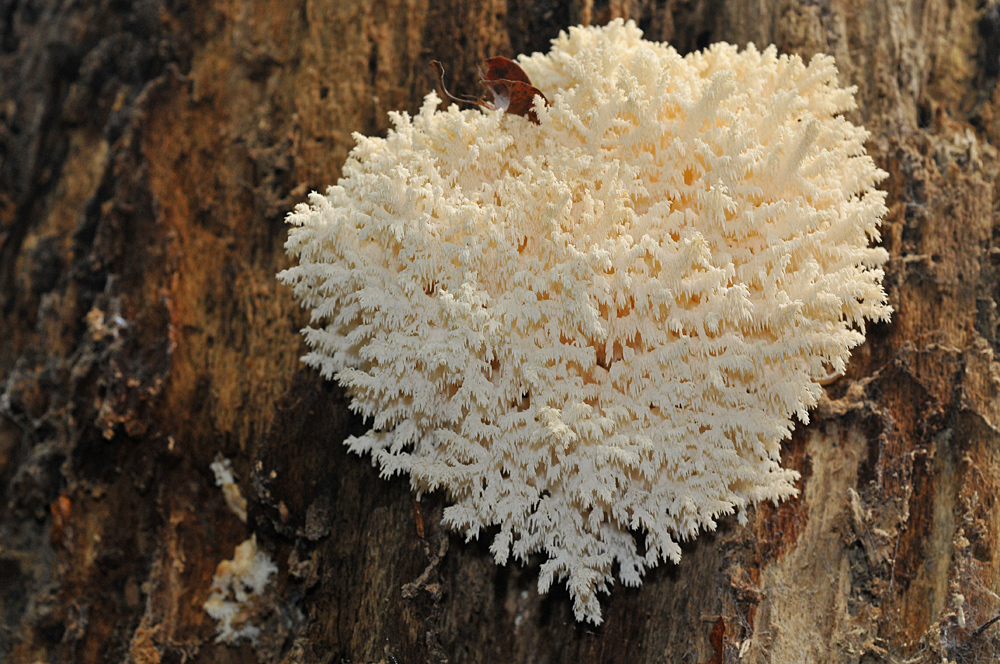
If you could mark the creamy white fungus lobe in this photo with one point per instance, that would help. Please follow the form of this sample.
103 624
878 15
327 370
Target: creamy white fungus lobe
593 332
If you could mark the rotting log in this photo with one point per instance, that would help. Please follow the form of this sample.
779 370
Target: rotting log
148 154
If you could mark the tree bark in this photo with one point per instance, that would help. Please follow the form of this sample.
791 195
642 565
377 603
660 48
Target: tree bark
149 151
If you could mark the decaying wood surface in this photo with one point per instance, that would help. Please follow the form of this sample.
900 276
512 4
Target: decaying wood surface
148 153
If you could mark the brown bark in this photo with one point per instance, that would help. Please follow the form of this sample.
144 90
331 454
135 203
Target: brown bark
148 153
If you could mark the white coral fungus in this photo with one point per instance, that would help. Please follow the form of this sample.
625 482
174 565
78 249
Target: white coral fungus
602 324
